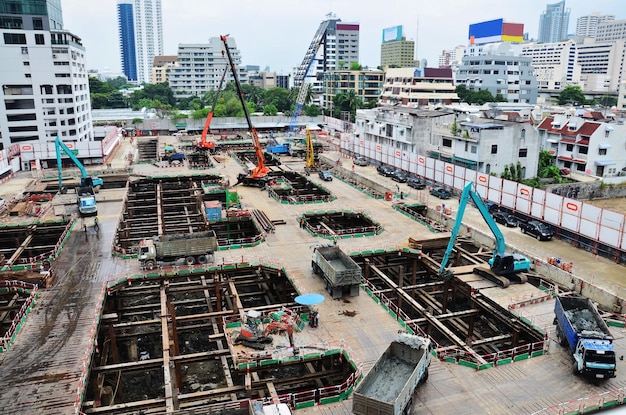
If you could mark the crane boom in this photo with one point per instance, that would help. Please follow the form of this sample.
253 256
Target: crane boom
85 180
203 141
260 170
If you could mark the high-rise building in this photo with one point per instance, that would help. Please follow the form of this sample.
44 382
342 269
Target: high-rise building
45 87
141 37
201 67
395 50
553 23
335 45
555 64
611 30
586 25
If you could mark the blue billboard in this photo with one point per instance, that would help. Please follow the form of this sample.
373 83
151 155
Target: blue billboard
392 33
485 32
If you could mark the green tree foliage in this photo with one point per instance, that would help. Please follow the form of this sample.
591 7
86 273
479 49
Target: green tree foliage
158 92
462 91
480 97
270 110
279 97
355 66
99 100
116 100
572 94
311 111
96 86
118 82
346 101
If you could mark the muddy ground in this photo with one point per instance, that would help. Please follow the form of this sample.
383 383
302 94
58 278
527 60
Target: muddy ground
615 204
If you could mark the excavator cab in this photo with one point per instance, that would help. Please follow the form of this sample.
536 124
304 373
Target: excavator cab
505 264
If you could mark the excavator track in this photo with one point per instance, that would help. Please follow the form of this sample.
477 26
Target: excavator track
488 274
517 278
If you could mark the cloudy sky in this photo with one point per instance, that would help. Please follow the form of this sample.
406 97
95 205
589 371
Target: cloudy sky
277 33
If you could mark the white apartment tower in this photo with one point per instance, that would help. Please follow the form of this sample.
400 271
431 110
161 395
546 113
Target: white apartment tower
611 30
141 37
45 87
201 66
586 26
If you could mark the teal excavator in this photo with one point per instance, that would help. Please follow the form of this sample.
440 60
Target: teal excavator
504 267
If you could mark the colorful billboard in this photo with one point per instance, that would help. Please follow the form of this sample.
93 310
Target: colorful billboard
495 31
392 33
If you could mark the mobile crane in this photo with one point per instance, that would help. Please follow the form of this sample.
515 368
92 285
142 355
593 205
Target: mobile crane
204 144
258 175
503 267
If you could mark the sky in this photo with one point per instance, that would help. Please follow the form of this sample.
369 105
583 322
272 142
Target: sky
277 33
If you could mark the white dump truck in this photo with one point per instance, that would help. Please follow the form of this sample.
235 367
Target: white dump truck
192 248
388 387
338 269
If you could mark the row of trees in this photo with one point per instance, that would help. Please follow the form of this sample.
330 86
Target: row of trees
160 98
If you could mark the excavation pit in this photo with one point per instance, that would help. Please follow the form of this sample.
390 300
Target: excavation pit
294 188
340 224
196 315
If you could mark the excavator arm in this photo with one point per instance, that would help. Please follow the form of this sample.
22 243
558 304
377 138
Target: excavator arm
260 170
203 141
310 154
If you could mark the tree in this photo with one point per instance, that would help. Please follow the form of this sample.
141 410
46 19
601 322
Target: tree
98 100
279 97
158 92
462 91
572 94
116 100
118 82
96 86
311 110
270 110
355 66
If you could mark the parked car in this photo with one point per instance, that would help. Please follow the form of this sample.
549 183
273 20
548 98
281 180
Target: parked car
505 219
361 161
415 183
399 176
441 193
386 171
539 230
326 176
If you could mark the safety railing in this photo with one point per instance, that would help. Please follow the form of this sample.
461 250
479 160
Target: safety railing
18 320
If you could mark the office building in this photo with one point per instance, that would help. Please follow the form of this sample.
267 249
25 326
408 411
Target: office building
553 23
141 37
45 87
611 30
395 50
335 46
586 26
555 64
201 67
415 87
161 68
601 65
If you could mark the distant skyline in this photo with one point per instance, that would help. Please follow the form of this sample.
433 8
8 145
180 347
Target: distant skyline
277 33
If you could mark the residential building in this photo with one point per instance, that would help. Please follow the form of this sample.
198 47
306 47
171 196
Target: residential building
601 65
141 37
555 64
395 50
553 23
621 98
587 25
283 81
262 79
45 87
415 87
201 67
335 45
611 30
500 69
585 146
367 85
161 67
399 136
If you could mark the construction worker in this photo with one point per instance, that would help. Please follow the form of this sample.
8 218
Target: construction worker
95 224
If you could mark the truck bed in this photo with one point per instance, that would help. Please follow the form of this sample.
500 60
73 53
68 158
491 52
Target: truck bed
389 381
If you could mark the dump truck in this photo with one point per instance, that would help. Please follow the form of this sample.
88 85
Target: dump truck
191 248
388 387
338 269
580 327
86 201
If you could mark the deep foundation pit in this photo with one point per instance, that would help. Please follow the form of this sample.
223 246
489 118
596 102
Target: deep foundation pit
294 188
340 224
195 316
462 323
147 149
176 205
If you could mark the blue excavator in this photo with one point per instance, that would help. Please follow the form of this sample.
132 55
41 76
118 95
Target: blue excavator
504 267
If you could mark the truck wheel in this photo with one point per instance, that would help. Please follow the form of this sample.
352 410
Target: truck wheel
539 237
575 371
523 230
425 377
150 265
189 260
202 259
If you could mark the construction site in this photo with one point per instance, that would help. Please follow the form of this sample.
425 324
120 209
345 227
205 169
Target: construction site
200 279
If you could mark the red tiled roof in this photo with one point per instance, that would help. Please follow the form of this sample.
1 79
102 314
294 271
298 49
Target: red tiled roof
586 129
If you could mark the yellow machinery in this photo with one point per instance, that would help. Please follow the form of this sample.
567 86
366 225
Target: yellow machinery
310 154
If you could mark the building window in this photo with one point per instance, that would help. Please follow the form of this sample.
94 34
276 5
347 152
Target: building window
523 133
494 149
523 152
569 147
447 142
488 168
39 39
473 149
583 150
14 38
606 134
11 22
37 23
602 152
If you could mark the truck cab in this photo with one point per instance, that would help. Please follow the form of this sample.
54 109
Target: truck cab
147 250
595 358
